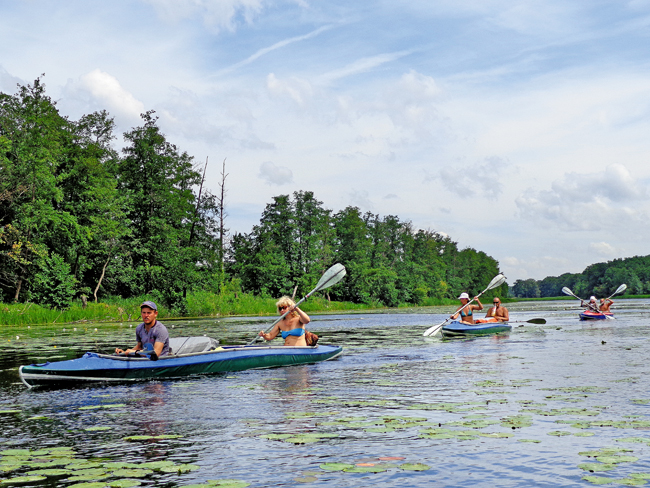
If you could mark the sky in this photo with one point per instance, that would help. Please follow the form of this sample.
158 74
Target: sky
517 128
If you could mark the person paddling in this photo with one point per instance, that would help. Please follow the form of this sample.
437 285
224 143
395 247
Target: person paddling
466 310
150 334
605 303
292 327
592 304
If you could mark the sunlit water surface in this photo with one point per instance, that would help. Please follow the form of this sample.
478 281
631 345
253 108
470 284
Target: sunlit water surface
508 411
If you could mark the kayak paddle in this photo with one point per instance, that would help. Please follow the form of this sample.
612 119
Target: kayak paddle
498 280
531 321
620 289
331 277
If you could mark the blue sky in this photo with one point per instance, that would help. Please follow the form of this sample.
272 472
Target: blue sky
517 128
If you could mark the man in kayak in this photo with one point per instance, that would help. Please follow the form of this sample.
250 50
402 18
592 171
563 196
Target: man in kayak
498 311
605 303
591 305
150 334
292 326
466 310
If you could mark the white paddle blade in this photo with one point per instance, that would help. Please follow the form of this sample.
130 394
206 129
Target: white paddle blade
567 291
433 330
620 289
498 280
331 277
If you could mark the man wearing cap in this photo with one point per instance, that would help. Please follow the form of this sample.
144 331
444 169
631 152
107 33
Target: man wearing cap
150 333
592 304
466 310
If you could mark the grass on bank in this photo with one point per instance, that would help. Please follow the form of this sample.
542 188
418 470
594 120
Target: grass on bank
199 304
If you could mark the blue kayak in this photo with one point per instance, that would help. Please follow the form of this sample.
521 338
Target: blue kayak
93 367
456 328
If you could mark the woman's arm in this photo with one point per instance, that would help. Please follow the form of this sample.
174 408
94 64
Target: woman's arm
271 335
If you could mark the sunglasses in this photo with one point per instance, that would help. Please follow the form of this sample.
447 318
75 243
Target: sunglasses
284 307
496 303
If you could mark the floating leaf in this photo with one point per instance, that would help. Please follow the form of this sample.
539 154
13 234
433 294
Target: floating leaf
633 439
21 480
335 466
598 480
133 473
155 465
558 433
98 428
306 479
594 467
529 440
631 482
51 472
228 483
414 467
124 483
641 476
365 469
180 468
2 412
616 459
94 484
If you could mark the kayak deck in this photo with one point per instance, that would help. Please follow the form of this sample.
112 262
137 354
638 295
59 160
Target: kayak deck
456 328
591 315
93 367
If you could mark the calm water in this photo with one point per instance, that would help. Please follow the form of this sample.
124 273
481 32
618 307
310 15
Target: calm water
507 411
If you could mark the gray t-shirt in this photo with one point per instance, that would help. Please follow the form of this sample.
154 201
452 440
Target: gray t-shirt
158 333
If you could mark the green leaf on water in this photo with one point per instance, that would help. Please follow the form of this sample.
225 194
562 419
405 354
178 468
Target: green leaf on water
633 439
365 469
94 484
98 428
616 459
89 477
529 440
496 435
16 452
306 479
21 480
414 467
594 467
631 482
180 468
641 476
51 472
133 473
598 480
583 434
124 483
91 407
558 433
155 465
228 483
2 412
335 466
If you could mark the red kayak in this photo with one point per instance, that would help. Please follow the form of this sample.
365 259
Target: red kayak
591 315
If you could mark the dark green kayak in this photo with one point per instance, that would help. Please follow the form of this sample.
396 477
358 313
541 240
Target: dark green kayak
456 328
92 367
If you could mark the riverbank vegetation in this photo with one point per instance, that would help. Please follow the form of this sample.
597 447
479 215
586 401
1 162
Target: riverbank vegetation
600 279
81 221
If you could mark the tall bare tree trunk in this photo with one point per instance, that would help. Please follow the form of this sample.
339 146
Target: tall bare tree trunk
222 216
99 283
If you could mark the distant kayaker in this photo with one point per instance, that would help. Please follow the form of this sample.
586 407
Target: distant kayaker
466 310
292 327
592 304
150 333
498 311
605 303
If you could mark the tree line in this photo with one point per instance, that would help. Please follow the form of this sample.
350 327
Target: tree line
78 218
599 279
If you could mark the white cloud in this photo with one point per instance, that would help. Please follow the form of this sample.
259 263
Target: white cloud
108 92
297 90
603 249
275 175
610 199
481 180
220 14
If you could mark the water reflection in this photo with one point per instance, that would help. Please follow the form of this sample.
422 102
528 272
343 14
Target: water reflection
582 385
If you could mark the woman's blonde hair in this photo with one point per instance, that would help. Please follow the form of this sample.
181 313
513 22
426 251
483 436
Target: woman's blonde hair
288 302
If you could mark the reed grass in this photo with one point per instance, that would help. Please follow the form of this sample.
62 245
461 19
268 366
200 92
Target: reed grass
199 304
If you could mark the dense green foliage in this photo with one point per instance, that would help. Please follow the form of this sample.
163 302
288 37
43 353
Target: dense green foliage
78 218
600 279
388 262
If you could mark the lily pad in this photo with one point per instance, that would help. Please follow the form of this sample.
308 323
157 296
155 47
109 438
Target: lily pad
594 467
598 480
133 473
228 483
616 459
98 428
365 469
22 480
336 466
180 468
155 465
414 467
529 440
631 482
124 483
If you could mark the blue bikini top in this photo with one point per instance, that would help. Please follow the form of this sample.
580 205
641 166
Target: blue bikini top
292 332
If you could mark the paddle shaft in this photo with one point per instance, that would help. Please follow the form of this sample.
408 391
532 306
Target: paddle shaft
496 281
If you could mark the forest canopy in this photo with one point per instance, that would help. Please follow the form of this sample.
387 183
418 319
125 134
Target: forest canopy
599 279
77 217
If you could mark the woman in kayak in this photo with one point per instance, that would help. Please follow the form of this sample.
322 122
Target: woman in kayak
292 327
466 310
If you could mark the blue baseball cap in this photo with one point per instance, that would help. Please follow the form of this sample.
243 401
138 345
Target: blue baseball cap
151 305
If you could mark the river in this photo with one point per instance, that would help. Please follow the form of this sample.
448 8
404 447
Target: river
565 404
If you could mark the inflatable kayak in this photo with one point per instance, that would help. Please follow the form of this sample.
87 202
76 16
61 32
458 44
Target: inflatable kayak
591 315
456 328
93 367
